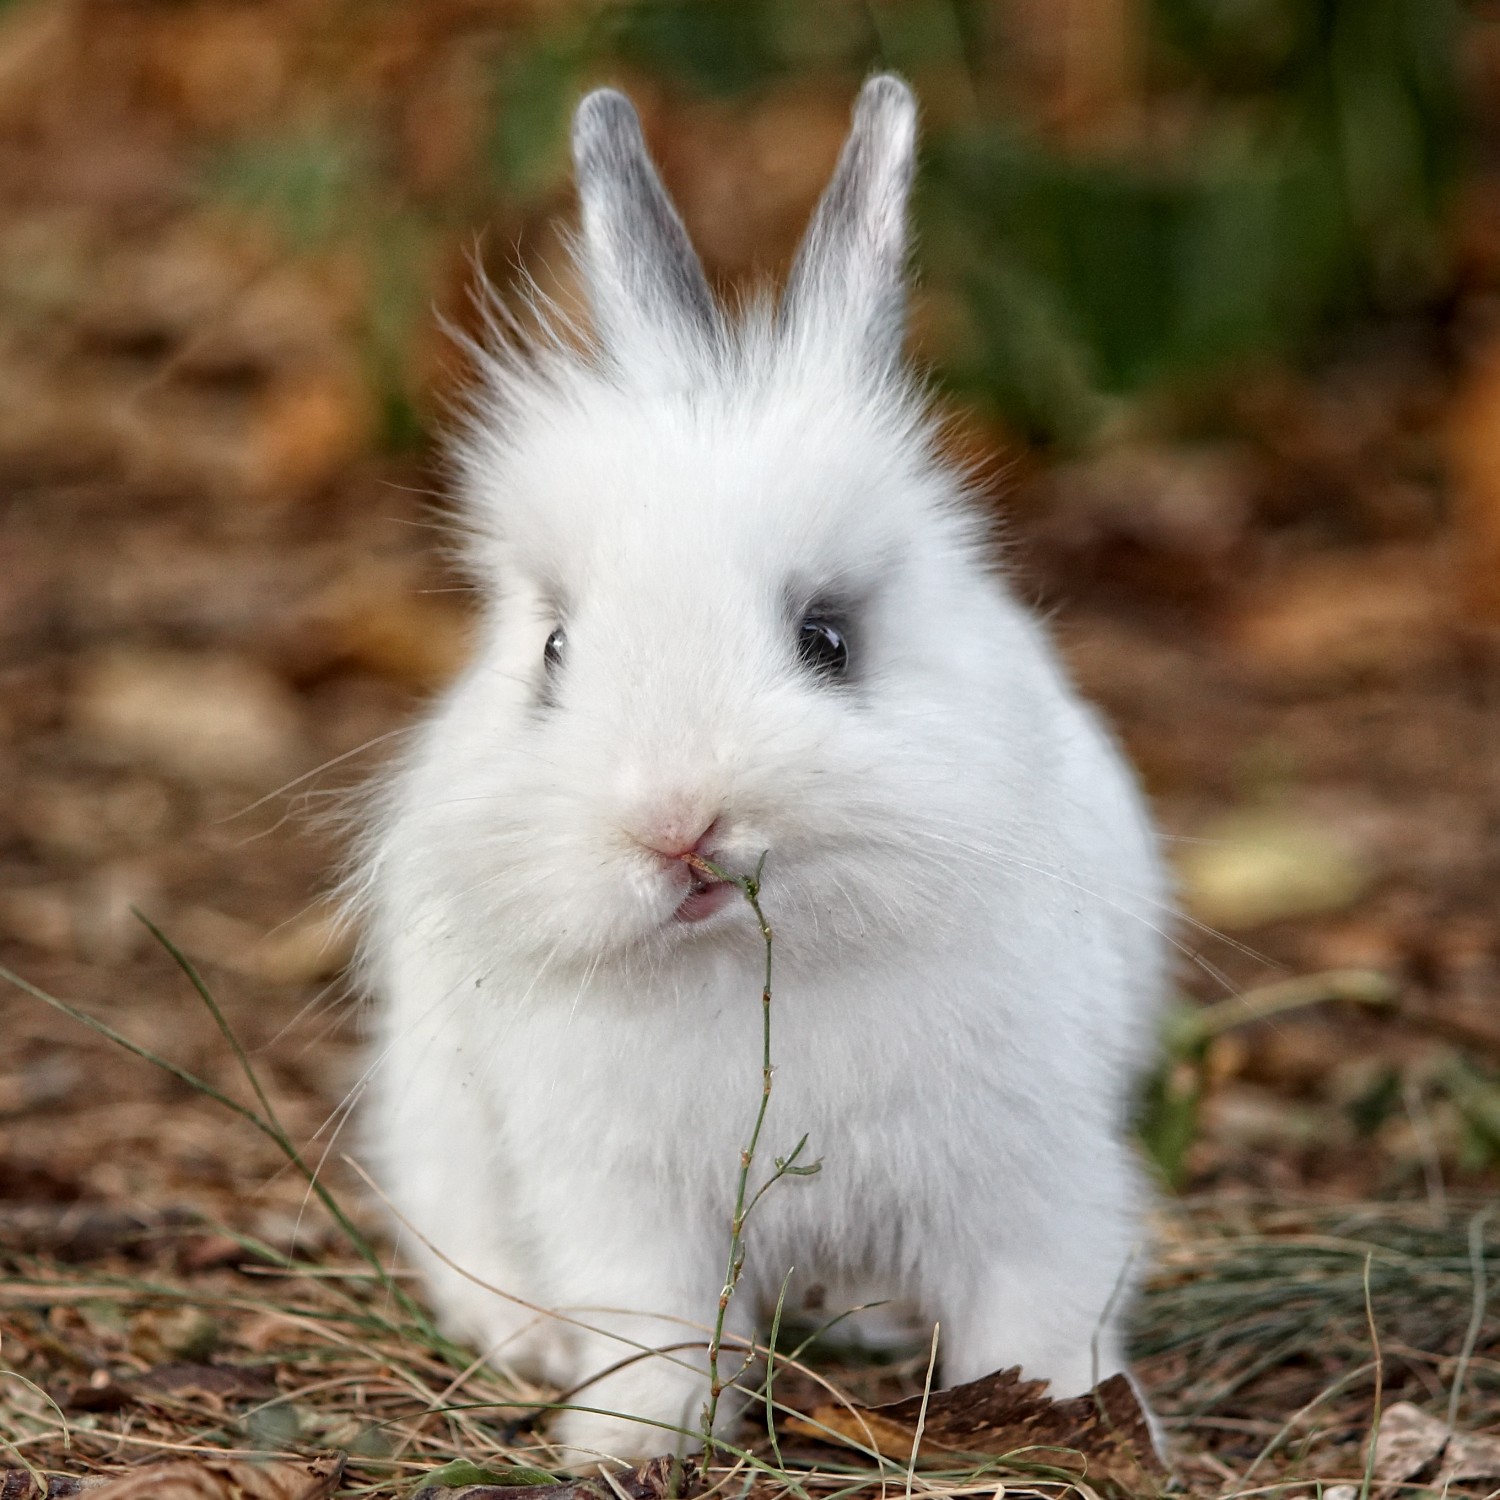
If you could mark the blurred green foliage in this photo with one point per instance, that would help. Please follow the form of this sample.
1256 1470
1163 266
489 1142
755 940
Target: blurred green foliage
324 189
1294 179
310 183
1455 1091
1307 188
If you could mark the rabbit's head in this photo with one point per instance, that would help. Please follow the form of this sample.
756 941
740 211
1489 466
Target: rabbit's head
738 605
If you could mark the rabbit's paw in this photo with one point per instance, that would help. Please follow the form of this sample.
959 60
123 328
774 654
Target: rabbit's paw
586 1441
632 1415
505 1334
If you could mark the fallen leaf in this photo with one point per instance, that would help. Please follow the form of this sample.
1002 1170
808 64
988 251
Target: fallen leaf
1474 454
1470 1456
1409 1440
1330 620
307 429
377 617
664 1478
461 1472
1250 868
187 1381
205 717
1104 1434
227 1479
1170 519
314 945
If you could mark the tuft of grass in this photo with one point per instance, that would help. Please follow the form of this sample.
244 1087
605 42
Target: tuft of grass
266 1122
1274 1335
1168 1121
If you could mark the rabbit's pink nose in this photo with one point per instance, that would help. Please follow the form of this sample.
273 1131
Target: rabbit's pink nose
674 838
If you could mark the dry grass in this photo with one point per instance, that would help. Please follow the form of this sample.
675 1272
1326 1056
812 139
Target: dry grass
1253 1341
1268 1338
1255 1334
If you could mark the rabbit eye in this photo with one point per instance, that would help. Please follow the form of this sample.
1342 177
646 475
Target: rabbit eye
823 646
552 652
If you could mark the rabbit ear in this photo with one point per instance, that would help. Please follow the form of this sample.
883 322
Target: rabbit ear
646 285
849 278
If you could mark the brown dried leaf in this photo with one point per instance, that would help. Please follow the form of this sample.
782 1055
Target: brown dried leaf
1474 457
1104 1434
1409 1440
377 617
189 1381
1333 619
227 1479
1470 1456
205 717
1255 866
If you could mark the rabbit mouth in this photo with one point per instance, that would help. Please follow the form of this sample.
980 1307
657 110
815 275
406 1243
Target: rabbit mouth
704 898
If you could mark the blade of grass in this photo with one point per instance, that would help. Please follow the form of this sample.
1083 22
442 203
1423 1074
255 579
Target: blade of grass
312 1175
67 1436
182 961
1369 1475
270 1130
1331 1390
1476 1316
771 1369
916 1437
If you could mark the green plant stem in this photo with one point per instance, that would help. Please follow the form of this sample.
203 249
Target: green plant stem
195 979
749 886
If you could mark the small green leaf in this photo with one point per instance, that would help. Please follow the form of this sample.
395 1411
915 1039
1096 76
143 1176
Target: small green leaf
461 1472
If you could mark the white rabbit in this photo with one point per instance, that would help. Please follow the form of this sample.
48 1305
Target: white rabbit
738 604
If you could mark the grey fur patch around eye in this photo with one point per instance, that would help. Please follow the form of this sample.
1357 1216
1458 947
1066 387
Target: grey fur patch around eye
644 275
842 605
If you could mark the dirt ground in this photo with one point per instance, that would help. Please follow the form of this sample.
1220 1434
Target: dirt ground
191 693
219 603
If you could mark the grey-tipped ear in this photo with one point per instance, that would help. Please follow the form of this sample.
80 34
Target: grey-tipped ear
645 282
849 277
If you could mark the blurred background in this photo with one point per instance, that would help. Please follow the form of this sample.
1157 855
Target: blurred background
1212 288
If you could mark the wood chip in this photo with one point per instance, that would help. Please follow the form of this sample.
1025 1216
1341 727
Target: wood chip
1104 1435
17 1484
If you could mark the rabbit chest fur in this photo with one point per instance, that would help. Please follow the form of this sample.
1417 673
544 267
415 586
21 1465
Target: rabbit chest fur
739 607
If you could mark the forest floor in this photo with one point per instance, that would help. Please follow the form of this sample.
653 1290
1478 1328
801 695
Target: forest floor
171 666
217 611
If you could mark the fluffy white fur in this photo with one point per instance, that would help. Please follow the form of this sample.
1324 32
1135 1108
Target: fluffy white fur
963 883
